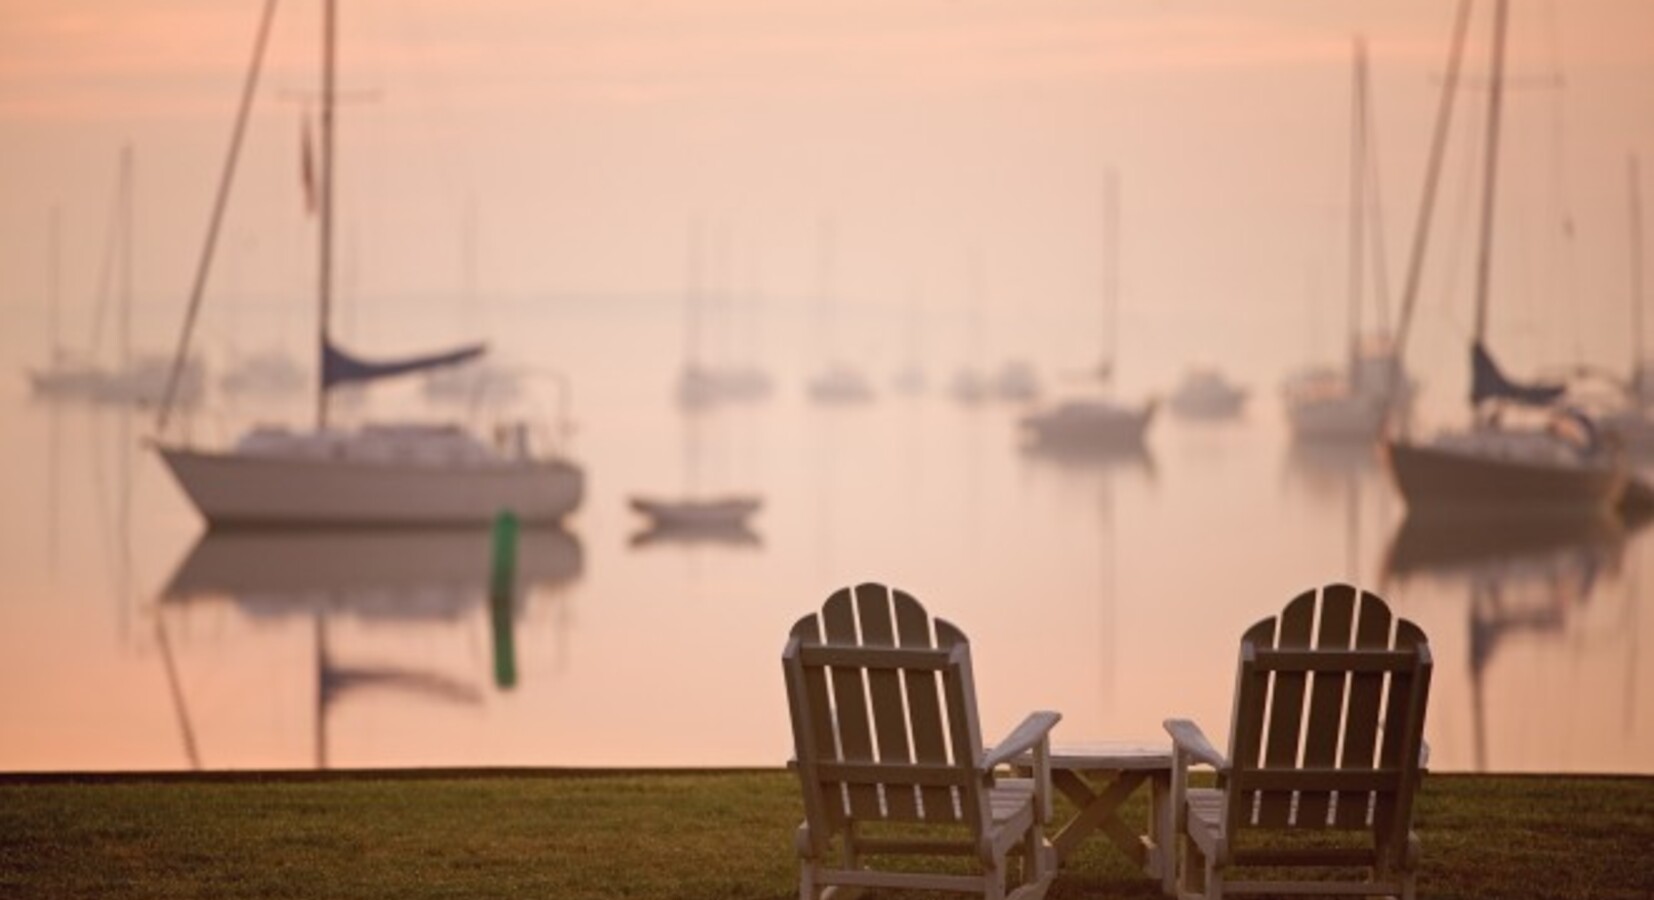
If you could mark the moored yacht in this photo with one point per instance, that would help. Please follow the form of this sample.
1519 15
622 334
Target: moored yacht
1526 451
400 474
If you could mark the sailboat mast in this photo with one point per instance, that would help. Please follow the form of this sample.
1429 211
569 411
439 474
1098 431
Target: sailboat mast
1432 176
1358 171
692 299
1495 103
126 257
325 251
1636 274
54 279
1111 269
225 179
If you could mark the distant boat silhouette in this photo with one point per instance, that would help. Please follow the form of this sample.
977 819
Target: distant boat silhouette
1098 419
837 382
1356 402
131 381
1632 418
1205 393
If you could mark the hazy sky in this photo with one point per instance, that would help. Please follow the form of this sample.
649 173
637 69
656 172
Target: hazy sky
582 138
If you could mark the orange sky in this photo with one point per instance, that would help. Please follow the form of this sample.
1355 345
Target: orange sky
585 135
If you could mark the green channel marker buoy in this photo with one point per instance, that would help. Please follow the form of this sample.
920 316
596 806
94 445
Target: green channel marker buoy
502 585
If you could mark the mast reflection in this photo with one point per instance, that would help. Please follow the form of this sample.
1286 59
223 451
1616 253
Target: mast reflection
1081 458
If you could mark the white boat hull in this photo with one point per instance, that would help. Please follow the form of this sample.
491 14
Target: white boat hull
721 512
233 489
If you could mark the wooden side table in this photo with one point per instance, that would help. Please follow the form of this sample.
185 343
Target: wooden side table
1098 776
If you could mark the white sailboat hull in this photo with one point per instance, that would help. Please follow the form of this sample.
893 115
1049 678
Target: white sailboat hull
236 489
698 513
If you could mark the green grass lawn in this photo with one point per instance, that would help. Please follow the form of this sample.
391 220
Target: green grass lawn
670 835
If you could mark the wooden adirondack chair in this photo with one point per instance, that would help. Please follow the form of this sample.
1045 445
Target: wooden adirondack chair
891 759
1352 762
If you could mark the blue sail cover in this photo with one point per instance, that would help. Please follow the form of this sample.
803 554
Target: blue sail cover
1488 383
339 367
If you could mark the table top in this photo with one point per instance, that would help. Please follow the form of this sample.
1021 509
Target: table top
1111 755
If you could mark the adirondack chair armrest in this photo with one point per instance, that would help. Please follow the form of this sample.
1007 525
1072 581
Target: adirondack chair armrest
1190 747
1025 738
1032 737
1189 742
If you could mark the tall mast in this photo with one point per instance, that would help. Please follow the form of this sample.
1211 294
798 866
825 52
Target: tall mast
325 251
1358 170
224 181
1432 176
54 278
126 256
692 299
1495 103
1111 269
1636 275
826 240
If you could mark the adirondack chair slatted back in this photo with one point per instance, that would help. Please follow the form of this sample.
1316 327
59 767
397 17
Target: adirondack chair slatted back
884 714
1349 757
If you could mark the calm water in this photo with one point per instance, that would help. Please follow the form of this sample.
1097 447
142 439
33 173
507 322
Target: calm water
1112 590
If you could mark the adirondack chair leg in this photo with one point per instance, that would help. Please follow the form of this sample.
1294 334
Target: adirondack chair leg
852 852
994 880
1038 865
807 879
1214 881
1191 870
1033 863
1409 885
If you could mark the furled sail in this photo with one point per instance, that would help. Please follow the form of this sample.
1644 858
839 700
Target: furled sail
1488 383
339 367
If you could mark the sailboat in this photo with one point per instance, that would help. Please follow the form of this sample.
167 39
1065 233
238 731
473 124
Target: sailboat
1204 393
1097 421
1560 465
1355 404
838 382
694 513
700 388
1633 417
480 383
132 381
393 474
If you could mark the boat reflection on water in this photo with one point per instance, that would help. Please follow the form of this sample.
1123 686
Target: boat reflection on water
407 577
1504 548
736 534
1524 576
1326 468
392 574
1081 457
